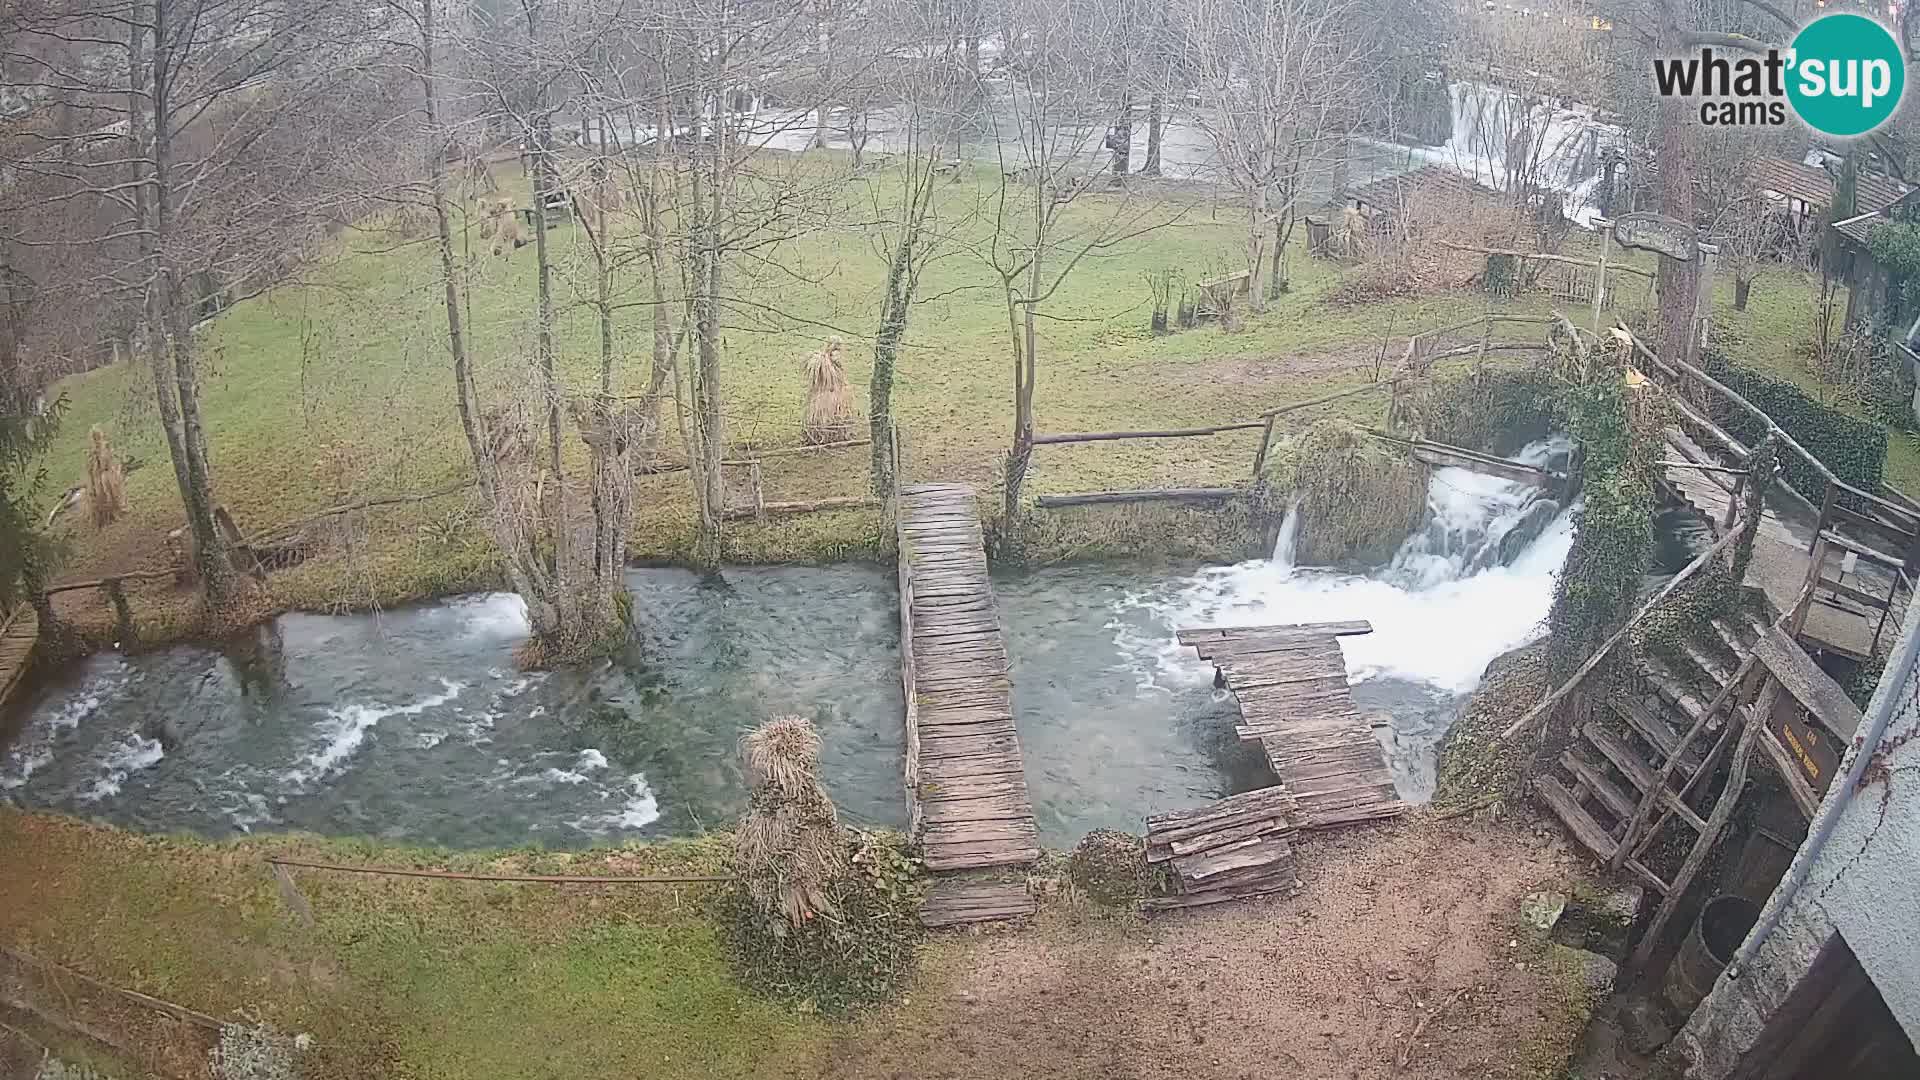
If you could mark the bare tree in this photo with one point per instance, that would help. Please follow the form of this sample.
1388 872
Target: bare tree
1276 77
207 156
1047 217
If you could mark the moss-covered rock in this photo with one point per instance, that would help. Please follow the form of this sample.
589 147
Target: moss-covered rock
1110 867
1358 497
1475 763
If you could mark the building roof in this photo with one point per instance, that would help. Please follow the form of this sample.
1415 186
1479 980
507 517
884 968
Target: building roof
1394 191
1813 185
1855 229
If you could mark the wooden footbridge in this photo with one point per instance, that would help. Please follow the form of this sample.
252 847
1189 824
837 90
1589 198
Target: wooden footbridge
1291 684
966 781
18 634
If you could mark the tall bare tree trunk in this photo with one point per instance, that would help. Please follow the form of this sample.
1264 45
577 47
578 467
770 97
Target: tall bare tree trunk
169 340
1677 282
1155 120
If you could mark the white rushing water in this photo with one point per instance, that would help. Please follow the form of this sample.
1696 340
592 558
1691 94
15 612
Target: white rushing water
1474 582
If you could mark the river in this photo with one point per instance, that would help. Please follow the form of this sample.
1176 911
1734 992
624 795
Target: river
413 725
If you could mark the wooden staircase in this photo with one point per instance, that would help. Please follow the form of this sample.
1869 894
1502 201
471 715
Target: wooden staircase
1634 758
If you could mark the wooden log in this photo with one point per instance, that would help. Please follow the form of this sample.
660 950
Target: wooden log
1169 433
1137 495
777 509
1325 399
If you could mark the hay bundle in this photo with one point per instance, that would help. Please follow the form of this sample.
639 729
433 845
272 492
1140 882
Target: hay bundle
106 480
1358 498
789 848
831 415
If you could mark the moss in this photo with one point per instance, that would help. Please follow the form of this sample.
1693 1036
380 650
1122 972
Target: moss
1475 764
1357 497
1225 532
1110 867
1491 407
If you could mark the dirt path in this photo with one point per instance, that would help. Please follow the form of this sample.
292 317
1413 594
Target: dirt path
1392 922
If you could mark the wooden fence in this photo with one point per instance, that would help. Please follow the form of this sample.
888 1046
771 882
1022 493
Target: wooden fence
1472 337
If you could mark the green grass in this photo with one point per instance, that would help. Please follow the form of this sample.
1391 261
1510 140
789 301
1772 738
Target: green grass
340 388
404 977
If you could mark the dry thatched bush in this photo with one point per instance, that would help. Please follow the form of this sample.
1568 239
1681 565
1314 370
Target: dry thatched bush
106 481
1407 251
1359 498
831 415
789 846
821 916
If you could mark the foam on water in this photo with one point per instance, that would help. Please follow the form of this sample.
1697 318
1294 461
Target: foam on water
1446 605
346 728
36 746
130 755
640 810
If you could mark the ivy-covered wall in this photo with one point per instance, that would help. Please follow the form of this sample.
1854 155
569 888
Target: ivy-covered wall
1856 450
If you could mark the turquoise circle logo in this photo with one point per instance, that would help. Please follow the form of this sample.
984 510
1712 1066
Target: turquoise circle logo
1847 74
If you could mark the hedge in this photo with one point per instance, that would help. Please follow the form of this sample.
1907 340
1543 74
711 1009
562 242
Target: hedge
1856 450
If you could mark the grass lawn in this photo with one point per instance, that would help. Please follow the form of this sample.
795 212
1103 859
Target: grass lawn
340 388
405 977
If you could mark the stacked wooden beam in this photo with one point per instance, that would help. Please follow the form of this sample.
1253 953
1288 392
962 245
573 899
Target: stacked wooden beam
1234 848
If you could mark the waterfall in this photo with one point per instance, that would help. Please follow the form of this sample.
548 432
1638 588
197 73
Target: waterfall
1288 541
1473 582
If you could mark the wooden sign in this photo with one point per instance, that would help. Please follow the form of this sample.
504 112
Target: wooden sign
1656 232
1813 748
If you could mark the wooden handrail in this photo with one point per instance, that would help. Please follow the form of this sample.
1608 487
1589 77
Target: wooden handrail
1678 367
98 583
1600 654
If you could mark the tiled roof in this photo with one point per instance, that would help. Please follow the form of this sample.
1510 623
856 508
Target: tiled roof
1813 185
1394 191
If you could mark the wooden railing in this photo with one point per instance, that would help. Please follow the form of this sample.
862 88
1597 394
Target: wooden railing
1467 338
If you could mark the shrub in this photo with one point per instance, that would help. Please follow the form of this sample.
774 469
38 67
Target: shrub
1110 867
819 916
1856 450
861 954
1866 368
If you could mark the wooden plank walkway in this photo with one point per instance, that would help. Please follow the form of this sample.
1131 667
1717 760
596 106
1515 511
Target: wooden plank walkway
18 634
1291 683
954 902
966 780
1781 560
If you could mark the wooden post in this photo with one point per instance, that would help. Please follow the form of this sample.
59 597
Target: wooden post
759 493
1600 283
1733 502
1637 827
1722 810
122 614
1826 516
1797 618
1266 441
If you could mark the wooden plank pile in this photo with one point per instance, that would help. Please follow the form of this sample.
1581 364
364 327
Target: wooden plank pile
1232 849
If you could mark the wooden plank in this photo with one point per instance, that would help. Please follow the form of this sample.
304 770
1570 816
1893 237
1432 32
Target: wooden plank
1639 773
1813 688
1195 635
1578 821
1616 801
1254 851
